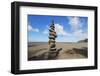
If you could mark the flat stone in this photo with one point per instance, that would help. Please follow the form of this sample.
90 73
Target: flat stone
52 33
52 45
52 41
51 30
52 49
52 26
51 37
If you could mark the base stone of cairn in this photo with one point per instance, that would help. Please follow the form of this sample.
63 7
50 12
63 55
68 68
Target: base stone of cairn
53 51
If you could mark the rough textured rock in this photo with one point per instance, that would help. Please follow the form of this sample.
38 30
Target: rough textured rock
53 51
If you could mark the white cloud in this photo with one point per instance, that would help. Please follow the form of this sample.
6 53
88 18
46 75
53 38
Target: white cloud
80 34
45 31
76 26
30 28
77 34
75 23
60 30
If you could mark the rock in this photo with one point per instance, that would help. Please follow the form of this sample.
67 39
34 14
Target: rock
53 51
51 37
51 30
52 33
52 45
85 40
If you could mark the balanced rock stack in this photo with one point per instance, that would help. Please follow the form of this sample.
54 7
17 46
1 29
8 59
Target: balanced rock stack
53 52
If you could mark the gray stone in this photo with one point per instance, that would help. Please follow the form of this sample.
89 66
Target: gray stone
53 51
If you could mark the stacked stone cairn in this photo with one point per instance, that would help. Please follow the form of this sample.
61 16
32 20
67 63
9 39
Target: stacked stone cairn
53 52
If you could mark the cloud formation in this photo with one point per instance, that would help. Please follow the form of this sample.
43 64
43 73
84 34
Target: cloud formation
31 29
45 31
60 30
80 34
76 26
77 29
75 23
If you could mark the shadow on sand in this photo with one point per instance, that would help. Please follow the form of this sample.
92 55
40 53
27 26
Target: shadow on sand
83 51
44 56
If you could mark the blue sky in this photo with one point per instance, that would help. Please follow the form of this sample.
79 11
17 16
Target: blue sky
68 28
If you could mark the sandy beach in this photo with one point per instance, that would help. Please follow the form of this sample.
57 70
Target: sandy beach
36 50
